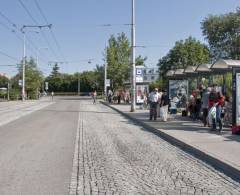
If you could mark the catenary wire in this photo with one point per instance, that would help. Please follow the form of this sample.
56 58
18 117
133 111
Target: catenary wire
36 23
11 57
52 33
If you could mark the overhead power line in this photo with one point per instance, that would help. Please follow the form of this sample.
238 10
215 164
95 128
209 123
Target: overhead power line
11 57
52 33
36 23
15 30
8 20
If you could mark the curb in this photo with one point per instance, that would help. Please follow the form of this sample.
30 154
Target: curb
219 165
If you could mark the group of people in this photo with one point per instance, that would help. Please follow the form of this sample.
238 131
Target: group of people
118 96
210 102
160 98
205 104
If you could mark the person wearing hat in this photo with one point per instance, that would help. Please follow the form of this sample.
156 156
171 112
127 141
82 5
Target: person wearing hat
154 99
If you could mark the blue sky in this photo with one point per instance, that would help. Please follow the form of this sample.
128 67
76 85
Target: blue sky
80 36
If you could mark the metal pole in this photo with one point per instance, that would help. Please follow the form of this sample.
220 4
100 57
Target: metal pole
79 85
133 96
8 91
23 66
105 80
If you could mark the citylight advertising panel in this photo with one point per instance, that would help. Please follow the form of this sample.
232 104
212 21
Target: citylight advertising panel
237 99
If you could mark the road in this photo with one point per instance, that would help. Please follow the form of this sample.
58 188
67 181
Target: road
113 156
36 151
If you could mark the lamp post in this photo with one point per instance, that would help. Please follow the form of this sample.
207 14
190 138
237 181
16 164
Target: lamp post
23 66
24 52
133 80
105 80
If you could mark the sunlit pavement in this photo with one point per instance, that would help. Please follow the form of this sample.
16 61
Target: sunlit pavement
114 155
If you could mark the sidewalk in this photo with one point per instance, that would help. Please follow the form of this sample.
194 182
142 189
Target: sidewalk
221 150
13 110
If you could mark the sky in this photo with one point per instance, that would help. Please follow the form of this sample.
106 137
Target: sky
78 32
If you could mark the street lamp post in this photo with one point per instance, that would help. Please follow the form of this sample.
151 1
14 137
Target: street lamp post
133 80
105 80
24 53
23 66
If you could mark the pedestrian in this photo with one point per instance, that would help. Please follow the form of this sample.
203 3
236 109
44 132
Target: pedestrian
153 100
205 99
219 106
94 96
110 93
164 106
213 101
52 94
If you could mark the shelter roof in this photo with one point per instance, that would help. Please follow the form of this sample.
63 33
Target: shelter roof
225 64
190 69
203 68
170 73
179 72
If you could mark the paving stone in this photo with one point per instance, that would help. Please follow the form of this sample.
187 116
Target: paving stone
119 157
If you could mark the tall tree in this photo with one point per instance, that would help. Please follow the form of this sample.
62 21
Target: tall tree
99 74
3 81
33 79
223 34
54 80
117 57
55 70
189 52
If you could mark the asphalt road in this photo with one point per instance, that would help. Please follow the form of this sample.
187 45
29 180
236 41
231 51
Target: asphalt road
36 151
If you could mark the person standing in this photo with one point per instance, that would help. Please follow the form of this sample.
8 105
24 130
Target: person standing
52 94
154 99
205 99
213 101
164 105
220 104
94 96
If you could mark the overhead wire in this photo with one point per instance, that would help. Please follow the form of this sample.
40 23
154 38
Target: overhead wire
15 30
11 57
36 23
52 33
8 20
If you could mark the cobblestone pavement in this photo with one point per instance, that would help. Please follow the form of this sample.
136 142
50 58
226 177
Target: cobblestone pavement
115 156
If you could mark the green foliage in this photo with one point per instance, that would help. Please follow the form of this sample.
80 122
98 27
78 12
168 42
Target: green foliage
160 84
99 74
117 57
189 52
222 33
89 80
3 81
33 79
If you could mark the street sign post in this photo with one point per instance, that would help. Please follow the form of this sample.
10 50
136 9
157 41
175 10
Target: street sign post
46 86
107 82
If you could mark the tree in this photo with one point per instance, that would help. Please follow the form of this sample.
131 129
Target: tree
189 52
3 81
55 70
223 35
33 79
54 80
99 74
117 56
